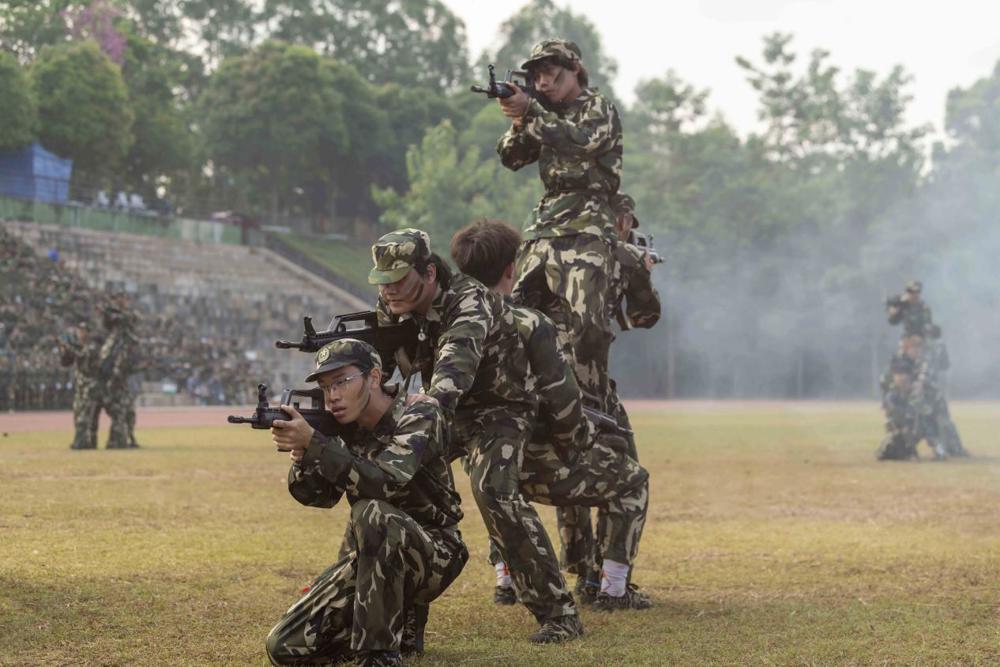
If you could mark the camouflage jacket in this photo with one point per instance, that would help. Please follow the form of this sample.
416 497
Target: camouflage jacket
579 155
632 287
916 318
84 357
551 378
119 355
402 461
470 357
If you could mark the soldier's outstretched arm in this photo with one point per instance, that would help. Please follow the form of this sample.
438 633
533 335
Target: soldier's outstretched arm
459 351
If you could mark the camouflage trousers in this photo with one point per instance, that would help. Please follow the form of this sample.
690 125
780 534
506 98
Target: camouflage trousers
86 414
495 444
360 602
119 403
568 279
604 476
946 429
581 550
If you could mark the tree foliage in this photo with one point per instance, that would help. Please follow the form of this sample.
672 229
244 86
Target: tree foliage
17 105
410 42
542 19
83 108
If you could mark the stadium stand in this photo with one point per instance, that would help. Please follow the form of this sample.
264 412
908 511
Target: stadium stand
210 312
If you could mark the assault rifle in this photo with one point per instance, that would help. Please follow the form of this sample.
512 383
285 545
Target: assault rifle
604 422
316 414
364 326
645 243
502 90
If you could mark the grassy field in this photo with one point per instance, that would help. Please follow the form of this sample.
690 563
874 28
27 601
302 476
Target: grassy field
774 538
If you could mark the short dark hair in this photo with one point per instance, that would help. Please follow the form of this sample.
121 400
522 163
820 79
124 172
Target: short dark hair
484 249
443 270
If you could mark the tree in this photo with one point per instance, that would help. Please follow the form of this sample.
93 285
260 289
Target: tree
17 105
28 25
272 119
450 185
164 144
83 109
418 43
542 19
445 187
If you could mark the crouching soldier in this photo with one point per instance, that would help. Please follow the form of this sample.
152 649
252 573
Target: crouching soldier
372 604
567 463
908 413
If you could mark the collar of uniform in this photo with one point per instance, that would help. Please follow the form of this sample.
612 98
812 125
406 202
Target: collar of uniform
585 96
386 426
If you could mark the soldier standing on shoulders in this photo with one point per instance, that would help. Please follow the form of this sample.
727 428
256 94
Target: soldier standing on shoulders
564 266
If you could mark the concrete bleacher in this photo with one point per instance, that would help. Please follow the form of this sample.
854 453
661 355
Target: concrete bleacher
244 297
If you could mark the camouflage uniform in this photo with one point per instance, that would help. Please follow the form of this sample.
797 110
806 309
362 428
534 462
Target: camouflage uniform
915 317
119 356
637 304
567 463
563 267
931 369
473 362
909 415
86 391
407 548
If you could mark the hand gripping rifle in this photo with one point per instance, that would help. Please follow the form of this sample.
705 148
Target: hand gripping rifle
502 90
316 415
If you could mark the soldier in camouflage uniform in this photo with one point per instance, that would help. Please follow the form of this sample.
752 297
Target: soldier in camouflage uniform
373 603
83 353
567 463
636 304
910 310
930 361
472 361
909 412
565 264
119 356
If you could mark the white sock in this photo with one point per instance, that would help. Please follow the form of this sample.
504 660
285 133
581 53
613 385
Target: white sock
613 578
503 575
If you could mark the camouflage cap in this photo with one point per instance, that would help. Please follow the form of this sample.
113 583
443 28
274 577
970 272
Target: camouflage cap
914 286
396 253
345 352
623 203
553 48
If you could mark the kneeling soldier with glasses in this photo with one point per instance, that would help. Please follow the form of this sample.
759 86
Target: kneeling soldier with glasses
372 604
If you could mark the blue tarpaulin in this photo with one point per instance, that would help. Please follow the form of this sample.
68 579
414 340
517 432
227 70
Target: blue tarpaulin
34 173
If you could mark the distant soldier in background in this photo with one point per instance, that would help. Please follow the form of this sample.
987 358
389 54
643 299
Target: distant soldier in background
118 359
83 351
930 359
909 309
909 412
635 303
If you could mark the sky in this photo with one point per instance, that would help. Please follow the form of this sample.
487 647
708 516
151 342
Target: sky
941 45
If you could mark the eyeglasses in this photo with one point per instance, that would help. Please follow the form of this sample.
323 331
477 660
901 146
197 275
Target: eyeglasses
338 385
